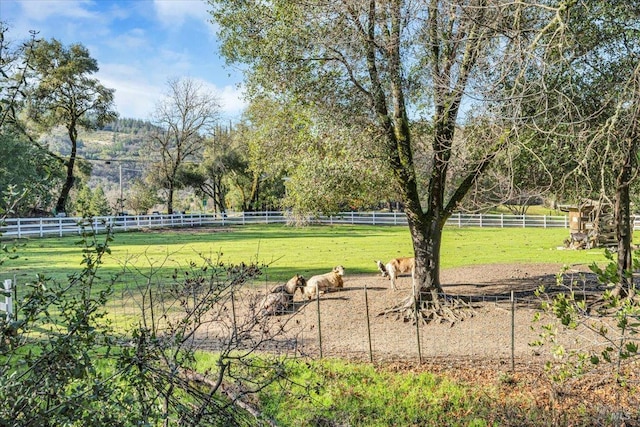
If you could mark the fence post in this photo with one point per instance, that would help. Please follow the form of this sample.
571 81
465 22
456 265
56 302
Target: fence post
524 221
501 220
41 230
373 217
319 331
366 305
416 314
233 313
7 305
544 221
19 231
459 220
513 333
15 296
480 220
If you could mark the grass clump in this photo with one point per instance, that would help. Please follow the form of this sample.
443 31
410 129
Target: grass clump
342 393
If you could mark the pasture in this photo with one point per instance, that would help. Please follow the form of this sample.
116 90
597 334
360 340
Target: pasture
286 251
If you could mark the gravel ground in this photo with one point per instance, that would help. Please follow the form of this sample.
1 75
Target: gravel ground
349 317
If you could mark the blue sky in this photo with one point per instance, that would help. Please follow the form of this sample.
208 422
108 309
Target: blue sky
139 45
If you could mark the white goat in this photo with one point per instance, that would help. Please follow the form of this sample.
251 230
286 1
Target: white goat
324 282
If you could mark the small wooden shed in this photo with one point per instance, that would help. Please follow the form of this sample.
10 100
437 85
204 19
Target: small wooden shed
591 224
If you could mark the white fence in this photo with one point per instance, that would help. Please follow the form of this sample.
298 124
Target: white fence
6 299
41 227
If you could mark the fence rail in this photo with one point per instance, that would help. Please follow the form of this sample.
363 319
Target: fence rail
41 227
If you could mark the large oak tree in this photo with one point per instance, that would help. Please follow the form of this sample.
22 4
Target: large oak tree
387 66
65 94
597 88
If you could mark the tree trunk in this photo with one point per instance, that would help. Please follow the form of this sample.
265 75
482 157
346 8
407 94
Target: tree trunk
255 192
623 222
170 198
61 204
426 237
427 240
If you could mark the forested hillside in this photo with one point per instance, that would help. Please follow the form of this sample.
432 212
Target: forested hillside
103 151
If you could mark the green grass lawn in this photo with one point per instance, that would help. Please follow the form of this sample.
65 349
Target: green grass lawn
305 250
353 393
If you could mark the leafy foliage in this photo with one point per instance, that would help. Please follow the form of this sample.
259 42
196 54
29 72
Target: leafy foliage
615 319
65 94
51 352
63 364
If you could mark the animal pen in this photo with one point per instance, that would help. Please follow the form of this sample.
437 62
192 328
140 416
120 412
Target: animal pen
591 224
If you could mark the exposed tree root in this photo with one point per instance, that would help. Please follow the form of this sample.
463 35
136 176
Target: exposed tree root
444 309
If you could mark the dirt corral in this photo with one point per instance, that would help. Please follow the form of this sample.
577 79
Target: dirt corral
481 350
348 317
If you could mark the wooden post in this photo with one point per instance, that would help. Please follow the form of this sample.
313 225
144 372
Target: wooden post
233 311
319 330
416 313
513 333
7 305
366 304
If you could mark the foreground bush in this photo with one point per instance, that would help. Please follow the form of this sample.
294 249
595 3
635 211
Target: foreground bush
62 364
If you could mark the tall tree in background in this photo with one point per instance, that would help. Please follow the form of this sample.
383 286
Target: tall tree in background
25 166
320 159
66 95
185 116
219 159
599 87
378 64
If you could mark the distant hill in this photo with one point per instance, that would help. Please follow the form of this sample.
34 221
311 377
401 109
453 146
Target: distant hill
119 143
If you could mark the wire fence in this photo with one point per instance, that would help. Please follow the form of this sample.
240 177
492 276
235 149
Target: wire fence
500 327
350 324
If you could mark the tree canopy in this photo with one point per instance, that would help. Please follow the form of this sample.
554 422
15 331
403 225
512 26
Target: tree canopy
394 70
185 115
64 93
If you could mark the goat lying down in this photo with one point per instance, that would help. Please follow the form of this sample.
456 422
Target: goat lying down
396 267
324 283
280 298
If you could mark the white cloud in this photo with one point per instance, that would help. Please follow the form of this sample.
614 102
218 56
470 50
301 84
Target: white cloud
41 10
137 93
176 12
133 39
231 99
174 62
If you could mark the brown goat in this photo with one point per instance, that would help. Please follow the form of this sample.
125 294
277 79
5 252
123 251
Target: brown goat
280 298
396 267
